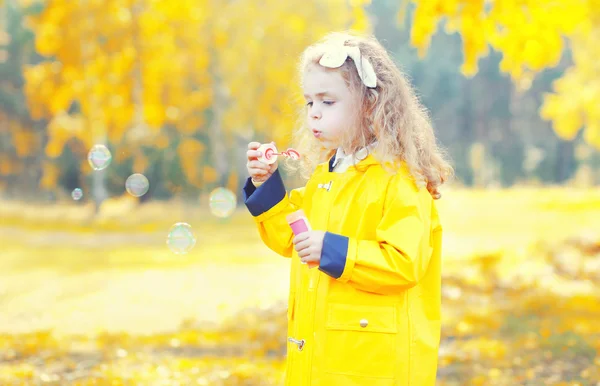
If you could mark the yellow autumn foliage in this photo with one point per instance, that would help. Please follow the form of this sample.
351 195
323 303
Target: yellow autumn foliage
531 36
135 66
105 303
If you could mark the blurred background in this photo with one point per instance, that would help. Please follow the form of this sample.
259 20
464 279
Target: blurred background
127 256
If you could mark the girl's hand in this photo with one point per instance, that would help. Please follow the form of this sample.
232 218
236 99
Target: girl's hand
258 171
309 246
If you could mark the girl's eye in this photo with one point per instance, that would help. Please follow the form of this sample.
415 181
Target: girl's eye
328 103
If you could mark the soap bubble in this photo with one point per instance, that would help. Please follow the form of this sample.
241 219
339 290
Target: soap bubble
137 185
222 202
181 238
76 194
99 157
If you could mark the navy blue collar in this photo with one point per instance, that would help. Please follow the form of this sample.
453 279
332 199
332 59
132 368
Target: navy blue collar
331 162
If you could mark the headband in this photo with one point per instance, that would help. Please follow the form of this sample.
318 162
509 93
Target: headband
336 54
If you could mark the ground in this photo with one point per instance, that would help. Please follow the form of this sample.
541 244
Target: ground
102 300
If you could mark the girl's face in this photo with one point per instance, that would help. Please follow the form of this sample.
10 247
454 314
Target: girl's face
331 107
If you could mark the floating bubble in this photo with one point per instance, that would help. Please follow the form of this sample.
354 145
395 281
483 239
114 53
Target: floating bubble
99 157
76 194
181 238
137 185
222 202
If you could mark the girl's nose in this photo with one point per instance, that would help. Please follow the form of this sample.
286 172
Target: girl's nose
315 114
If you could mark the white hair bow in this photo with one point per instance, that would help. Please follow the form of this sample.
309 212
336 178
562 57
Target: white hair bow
336 54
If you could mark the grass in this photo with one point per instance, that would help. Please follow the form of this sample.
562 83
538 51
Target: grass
102 299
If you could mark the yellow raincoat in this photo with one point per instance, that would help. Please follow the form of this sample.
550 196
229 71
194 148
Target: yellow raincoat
370 313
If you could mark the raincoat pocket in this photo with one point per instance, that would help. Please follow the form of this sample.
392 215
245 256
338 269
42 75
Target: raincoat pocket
360 340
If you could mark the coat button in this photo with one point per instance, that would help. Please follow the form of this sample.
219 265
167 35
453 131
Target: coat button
364 323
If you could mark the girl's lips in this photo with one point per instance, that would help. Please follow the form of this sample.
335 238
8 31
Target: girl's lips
316 133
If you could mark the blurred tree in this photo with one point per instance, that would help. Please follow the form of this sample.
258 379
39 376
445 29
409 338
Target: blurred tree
117 72
21 140
176 94
257 94
531 35
187 76
484 110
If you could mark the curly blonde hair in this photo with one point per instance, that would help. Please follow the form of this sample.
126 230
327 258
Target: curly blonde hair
390 114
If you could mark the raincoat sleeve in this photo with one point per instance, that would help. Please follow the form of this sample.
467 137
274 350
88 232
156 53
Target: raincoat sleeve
269 204
396 259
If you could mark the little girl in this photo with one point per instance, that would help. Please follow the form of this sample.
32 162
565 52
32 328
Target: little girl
370 313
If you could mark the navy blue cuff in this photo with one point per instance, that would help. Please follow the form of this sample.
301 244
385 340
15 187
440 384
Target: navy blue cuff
333 254
261 199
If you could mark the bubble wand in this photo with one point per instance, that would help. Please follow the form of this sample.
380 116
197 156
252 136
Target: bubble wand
270 153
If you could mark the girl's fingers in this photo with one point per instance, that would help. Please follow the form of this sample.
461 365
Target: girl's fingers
302 245
253 154
255 167
305 256
257 171
258 165
300 237
253 145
